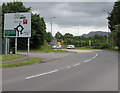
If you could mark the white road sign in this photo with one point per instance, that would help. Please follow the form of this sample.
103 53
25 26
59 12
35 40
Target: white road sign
17 25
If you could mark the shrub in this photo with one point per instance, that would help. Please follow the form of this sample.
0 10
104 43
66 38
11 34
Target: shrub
106 45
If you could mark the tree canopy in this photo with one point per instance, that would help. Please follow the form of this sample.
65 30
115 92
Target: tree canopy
114 23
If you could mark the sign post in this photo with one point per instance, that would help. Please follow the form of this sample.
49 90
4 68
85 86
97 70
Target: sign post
16 45
17 25
6 46
28 46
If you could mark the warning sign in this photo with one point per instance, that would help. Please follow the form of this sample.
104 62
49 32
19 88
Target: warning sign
19 23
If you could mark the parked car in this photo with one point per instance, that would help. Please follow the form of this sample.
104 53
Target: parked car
56 47
70 47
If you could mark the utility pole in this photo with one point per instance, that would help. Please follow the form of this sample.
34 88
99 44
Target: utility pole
108 13
51 23
78 36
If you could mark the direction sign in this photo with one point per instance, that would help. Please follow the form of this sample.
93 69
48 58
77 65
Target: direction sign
8 33
17 25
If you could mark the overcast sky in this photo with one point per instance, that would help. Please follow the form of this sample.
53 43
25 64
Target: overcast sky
88 16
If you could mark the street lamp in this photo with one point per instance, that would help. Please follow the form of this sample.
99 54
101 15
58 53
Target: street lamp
78 36
51 23
108 13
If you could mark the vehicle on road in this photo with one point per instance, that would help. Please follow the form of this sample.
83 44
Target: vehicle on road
56 47
70 47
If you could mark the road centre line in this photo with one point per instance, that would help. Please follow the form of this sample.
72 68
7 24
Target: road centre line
41 74
69 67
94 57
30 77
76 64
91 59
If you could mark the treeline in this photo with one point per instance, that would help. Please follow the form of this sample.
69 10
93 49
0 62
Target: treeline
97 41
38 31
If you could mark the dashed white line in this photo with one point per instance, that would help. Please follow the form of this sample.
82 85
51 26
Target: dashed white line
76 64
41 74
69 67
94 57
58 70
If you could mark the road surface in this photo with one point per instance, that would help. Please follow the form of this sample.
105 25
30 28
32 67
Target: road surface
92 71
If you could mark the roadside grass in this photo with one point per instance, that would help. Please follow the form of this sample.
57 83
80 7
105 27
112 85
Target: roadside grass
0 57
10 57
86 48
21 63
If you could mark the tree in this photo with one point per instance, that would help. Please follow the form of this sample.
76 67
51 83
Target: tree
48 37
0 30
114 20
58 36
38 31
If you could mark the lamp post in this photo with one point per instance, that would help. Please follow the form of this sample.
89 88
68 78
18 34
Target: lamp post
108 13
78 36
51 23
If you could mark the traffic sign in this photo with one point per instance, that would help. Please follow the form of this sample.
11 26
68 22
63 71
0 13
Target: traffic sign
58 43
17 23
9 33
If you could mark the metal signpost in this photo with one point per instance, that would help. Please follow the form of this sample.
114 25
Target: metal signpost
17 25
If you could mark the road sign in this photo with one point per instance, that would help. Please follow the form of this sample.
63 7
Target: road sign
10 33
58 43
17 25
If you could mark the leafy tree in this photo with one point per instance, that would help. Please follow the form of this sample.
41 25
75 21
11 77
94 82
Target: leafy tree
114 20
59 36
14 7
0 30
48 37
38 31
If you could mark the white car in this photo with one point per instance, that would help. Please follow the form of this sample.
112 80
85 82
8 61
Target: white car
56 47
70 47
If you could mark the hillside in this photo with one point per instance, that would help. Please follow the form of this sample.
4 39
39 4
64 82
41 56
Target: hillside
91 34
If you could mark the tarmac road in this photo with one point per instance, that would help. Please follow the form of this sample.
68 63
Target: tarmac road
93 71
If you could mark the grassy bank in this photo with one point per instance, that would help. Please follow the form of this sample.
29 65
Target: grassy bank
10 57
22 63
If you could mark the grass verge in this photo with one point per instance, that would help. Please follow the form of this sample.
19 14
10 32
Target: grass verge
22 63
10 57
86 48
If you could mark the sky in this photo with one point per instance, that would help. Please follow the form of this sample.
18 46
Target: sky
76 18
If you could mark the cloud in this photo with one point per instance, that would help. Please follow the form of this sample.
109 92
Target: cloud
68 14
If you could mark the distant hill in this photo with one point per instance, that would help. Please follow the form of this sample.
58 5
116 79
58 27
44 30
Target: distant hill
91 34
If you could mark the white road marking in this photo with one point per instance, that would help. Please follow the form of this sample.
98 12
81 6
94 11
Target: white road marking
69 67
41 74
94 57
58 70
76 64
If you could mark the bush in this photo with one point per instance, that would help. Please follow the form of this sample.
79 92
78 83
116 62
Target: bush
106 45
